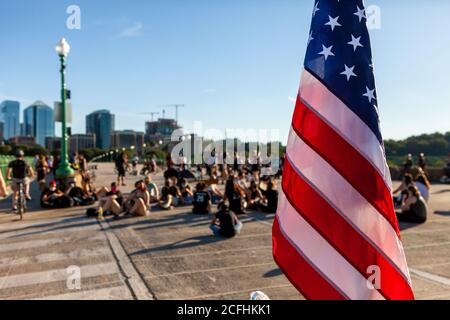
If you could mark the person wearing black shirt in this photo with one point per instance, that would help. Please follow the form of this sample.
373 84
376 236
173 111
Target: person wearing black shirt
121 164
52 198
225 223
271 199
234 196
19 171
201 200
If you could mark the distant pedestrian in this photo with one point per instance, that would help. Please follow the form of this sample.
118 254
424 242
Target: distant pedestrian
121 165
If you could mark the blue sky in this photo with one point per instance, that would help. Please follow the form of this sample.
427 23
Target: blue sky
233 63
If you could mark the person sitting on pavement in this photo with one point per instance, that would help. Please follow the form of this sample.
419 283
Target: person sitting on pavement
270 203
201 200
402 188
54 198
423 184
216 195
152 189
225 223
138 202
78 195
185 191
256 197
166 201
235 196
111 201
20 172
414 208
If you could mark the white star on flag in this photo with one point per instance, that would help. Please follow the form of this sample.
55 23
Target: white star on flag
326 52
333 23
348 72
361 13
356 42
370 94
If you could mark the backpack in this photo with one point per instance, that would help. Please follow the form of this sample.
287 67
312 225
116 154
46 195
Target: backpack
91 213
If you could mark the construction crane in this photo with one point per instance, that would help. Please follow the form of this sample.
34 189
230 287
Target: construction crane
151 114
176 106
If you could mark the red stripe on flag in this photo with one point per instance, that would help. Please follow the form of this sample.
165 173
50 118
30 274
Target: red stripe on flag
342 236
346 160
300 273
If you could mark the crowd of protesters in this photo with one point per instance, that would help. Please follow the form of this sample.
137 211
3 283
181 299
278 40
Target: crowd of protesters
224 191
196 187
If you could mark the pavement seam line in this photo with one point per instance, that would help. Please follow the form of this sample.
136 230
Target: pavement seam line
133 278
431 277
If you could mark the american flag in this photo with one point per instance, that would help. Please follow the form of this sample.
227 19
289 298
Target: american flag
336 235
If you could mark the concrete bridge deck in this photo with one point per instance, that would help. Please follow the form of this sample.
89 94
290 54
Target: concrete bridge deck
171 255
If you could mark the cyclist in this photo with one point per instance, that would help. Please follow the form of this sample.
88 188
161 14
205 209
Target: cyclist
19 171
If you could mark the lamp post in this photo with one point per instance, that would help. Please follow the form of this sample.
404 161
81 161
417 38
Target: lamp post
64 170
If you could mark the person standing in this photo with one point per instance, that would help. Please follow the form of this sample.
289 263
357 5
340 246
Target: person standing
41 167
121 165
19 171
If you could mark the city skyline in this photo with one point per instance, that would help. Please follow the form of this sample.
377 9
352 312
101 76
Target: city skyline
227 61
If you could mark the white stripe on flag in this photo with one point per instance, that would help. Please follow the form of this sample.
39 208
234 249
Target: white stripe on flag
347 201
322 255
345 122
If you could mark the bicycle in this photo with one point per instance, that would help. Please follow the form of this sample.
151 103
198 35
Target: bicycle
21 201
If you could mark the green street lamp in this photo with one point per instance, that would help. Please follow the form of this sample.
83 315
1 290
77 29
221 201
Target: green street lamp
64 170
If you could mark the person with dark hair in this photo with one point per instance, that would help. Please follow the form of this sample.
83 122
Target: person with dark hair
121 166
270 203
185 191
422 162
407 181
78 195
414 209
111 201
201 200
54 198
256 196
41 167
235 196
225 223
408 164
20 172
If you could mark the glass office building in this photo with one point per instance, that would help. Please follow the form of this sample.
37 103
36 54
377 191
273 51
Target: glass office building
10 116
38 120
101 123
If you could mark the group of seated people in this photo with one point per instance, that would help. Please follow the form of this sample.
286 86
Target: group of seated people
411 198
57 196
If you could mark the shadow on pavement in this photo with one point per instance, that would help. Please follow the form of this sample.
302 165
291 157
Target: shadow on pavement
182 244
443 213
273 273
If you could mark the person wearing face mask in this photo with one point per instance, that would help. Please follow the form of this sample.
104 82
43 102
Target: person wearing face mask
111 201
53 198
138 202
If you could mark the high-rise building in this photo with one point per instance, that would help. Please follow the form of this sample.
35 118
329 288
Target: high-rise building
10 116
160 130
127 139
101 123
39 122
80 142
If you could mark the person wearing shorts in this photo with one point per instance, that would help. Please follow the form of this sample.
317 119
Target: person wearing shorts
19 172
